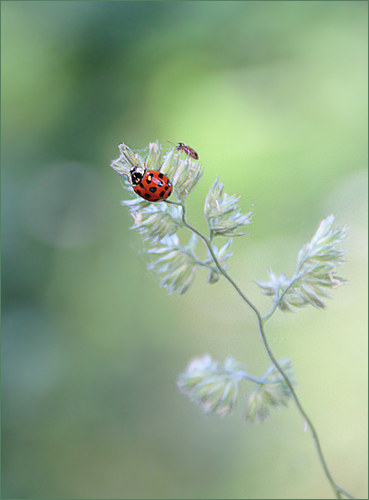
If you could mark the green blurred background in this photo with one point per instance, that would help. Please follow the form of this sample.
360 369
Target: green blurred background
273 96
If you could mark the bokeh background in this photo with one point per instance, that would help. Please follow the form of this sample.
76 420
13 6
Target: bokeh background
273 96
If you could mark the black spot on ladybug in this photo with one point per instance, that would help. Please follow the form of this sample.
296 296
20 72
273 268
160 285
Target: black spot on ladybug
161 175
169 183
162 194
147 196
149 179
141 185
138 192
153 189
160 183
166 188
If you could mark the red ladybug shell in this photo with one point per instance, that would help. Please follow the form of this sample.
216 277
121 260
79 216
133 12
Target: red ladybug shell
154 186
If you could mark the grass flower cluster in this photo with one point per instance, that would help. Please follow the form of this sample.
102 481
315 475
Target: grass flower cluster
223 214
213 386
317 263
270 393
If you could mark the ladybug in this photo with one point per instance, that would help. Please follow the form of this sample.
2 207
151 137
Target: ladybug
150 184
187 149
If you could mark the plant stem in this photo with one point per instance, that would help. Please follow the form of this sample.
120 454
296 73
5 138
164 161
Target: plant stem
261 320
256 380
337 489
278 299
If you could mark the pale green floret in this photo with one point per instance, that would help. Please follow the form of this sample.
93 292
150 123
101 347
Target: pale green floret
153 157
222 212
176 263
147 158
222 256
154 222
213 388
126 160
270 394
316 271
169 165
186 177
136 205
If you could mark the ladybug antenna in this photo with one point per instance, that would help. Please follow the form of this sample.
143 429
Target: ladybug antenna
172 143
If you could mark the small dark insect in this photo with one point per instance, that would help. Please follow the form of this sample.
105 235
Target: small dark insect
150 184
186 149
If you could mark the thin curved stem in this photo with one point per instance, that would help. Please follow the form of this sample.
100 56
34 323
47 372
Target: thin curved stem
170 202
295 277
201 263
260 381
219 267
261 320
278 299
344 492
337 489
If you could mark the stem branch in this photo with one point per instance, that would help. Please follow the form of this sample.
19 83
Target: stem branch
261 320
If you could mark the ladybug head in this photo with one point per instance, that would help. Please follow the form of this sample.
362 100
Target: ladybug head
137 174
